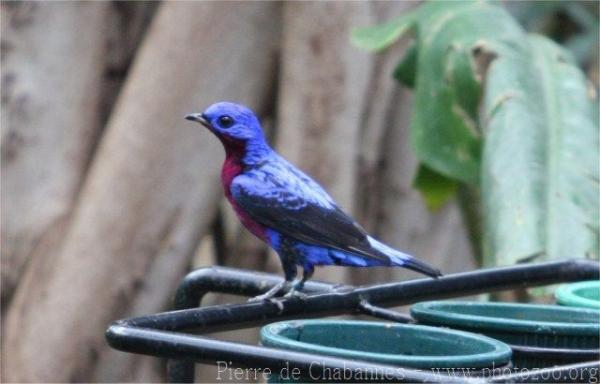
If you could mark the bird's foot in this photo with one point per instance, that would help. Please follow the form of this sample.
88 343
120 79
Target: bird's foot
269 294
295 293
258 298
277 302
269 298
296 290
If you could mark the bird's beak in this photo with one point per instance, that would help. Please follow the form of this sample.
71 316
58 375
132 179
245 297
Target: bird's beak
198 118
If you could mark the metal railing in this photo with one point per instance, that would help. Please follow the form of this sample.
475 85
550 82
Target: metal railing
162 334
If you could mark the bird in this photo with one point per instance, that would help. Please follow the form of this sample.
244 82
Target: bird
287 209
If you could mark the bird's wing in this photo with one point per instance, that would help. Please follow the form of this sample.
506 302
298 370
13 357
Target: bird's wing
282 198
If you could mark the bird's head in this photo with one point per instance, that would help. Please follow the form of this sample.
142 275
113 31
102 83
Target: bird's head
229 121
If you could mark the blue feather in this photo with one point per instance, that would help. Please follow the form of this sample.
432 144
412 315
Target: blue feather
301 221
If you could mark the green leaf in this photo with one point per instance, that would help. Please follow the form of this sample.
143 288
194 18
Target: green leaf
445 131
534 144
378 37
541 159
406 71
436 189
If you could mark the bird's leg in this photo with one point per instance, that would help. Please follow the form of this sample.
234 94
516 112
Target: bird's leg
297 287
290 271
270 293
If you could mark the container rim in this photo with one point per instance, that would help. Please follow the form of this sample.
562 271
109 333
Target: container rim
566 294
498 355
430 312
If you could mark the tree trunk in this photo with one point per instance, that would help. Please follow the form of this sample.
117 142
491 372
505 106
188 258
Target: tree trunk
152 187
128 23
51 70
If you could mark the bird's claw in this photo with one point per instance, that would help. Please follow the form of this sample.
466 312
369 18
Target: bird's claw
278 303
269 294
294 293
269 297
259 298
272 300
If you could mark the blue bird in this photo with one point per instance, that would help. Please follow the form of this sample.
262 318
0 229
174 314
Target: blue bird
288 210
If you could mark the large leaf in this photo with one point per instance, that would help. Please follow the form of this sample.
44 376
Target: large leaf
540 169
445 131
445 134
381 36
541 160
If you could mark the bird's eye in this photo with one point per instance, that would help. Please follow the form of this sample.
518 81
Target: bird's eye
225 121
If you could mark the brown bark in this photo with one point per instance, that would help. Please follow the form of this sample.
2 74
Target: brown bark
376 120
151 187
128 23
51 71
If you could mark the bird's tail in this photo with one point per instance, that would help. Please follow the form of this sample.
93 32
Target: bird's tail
404 260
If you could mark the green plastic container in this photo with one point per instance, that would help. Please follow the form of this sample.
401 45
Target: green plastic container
547 326
407 345
585 294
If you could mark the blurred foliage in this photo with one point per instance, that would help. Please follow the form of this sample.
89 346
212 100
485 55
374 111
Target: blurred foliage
439 188
528 140
573 24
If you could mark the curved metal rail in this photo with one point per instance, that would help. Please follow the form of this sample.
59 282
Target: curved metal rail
160 334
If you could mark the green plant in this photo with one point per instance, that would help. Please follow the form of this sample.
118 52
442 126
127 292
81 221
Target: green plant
504 112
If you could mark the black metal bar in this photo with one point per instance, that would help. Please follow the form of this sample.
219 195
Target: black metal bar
368 309
227 317
219 279
247 283
227 280
230 280
127 334
204 350
480 281
198 283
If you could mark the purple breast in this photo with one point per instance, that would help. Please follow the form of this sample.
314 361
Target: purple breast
231 168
